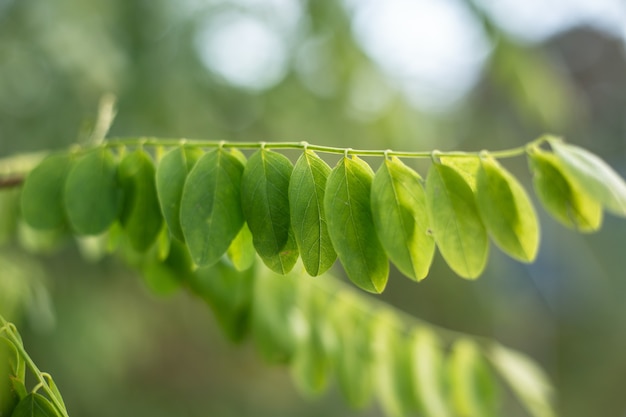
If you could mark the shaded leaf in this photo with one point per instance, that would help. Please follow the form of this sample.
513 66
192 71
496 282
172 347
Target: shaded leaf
306 204
351 227
401 218
428 373
210 209
140 216
164 277
35 405
265 201
171 174
563 198
42 193
456 225
593 175
507 211
241 251
92 195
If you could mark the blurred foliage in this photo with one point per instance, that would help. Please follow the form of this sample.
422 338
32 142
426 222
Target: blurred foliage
58 57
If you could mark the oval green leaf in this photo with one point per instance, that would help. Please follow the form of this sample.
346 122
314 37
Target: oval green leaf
428 373
140 217
351 226
35 405
401 218
171 174
210 209
593 175
42 193
92 195
456 225
241 251
507 211
560 196
265 201
308 219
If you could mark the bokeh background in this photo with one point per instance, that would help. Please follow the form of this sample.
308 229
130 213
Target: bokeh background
401 74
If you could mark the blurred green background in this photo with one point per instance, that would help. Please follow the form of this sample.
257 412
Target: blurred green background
401 74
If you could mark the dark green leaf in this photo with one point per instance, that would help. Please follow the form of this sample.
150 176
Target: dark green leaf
241 251
42 194
210 210
93 197
265 200
140 217
401 218
35 405
593 175
171 174
456 225
507 211
351 227
561 197
165 276
9 210
306 204
428 373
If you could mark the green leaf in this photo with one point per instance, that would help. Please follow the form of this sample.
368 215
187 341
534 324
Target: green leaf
456 225
428 373
165 277
507 211
229 294
241 251
351 227
42 194
562 197
54 389
401 218
92 195
526 379
306 204
467 166
9 213
593 175
210 210
354 356
471 382
8 396
394 365
171 174
265 200
35 405
140 217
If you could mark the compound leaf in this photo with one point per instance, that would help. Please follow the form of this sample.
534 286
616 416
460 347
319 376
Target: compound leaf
171 174
210 209
507 211
401 218
351 227
265 201
560 196
306 204
42 193
593 175
456 225
140 217
92 195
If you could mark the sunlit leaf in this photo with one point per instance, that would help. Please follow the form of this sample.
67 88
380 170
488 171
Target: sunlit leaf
471 382
92 194
241 251
593 175
467 166
563 198
306 204
456 225
210 209
401 218
42 193
35 405
171 174
507 211
265 201
526 379
351 227
140 217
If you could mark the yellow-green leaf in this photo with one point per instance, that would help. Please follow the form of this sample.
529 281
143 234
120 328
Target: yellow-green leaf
241 251
467 166
401 218
428 373
351 227
562 197
306 204
507 211
456 225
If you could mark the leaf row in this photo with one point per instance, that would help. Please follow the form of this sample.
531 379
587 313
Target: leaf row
219 203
